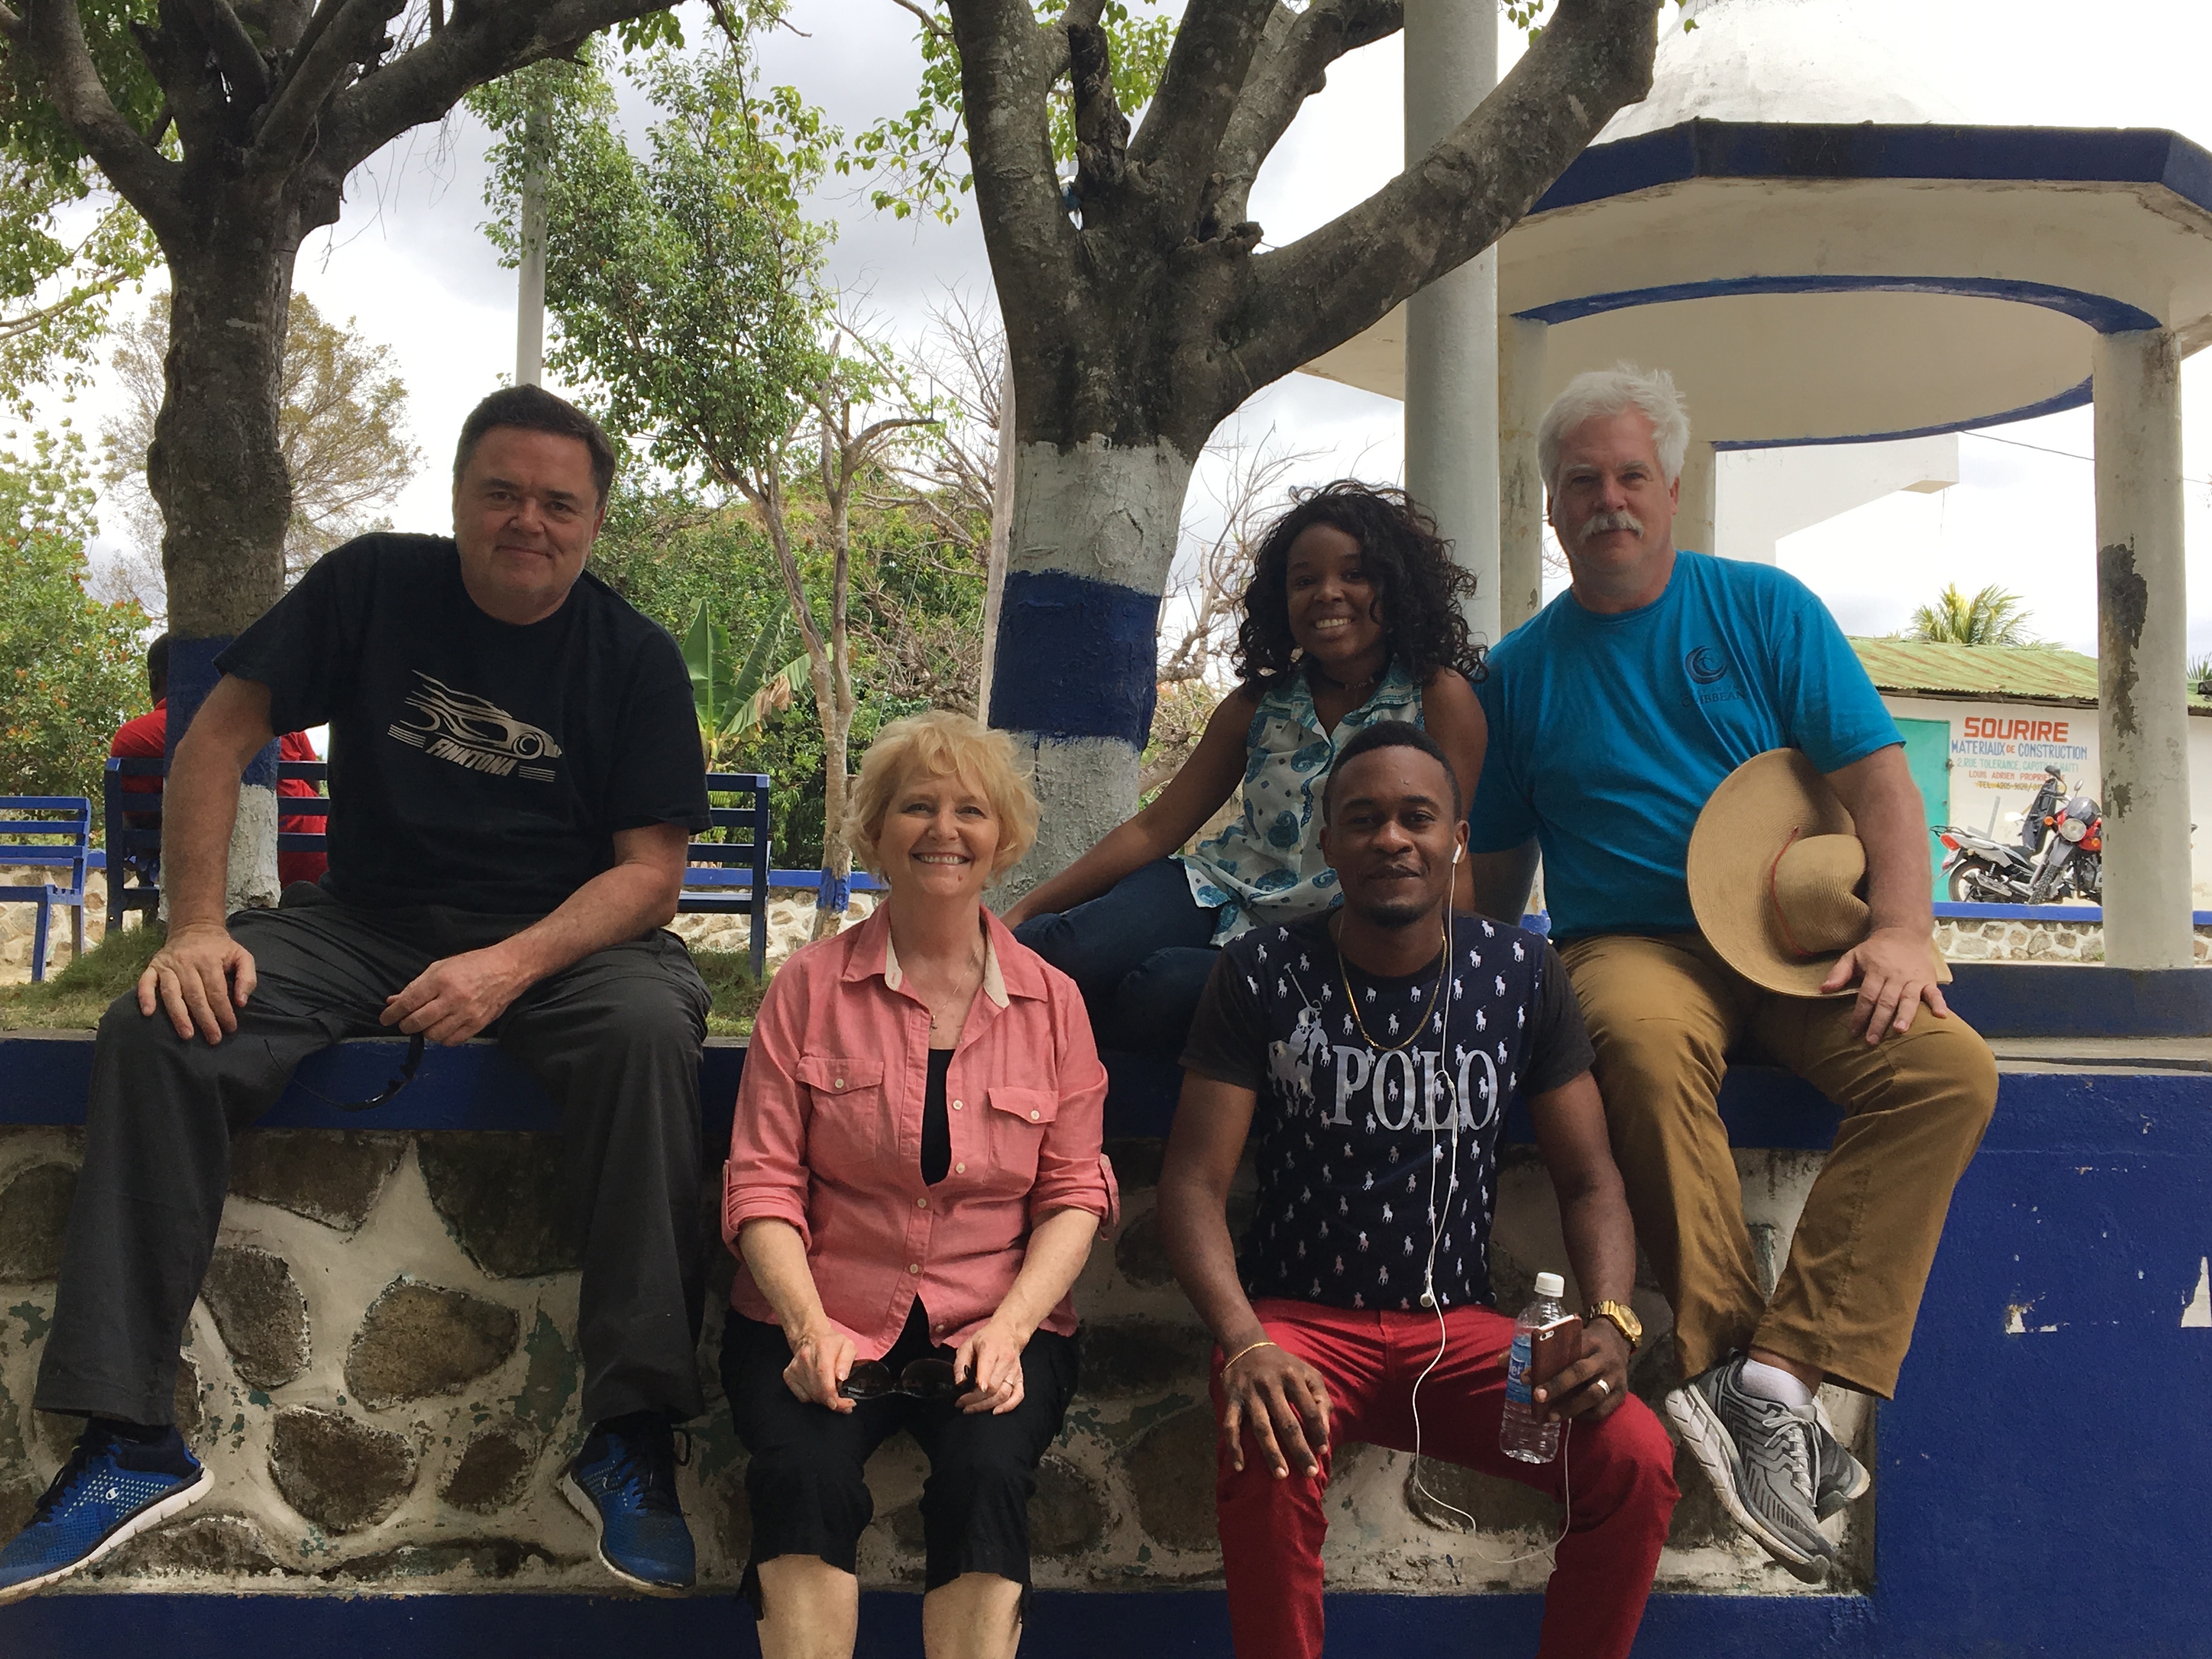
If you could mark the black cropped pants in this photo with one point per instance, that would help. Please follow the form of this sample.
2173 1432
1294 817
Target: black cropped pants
807 1482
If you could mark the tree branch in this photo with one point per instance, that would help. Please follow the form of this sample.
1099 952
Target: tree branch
1198 95
931 23
339 36
1291 65
53 38
236 54
1593 58
479 43
1101 132
1008 62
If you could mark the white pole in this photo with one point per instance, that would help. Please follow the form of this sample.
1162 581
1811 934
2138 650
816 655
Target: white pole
1451 326
1520 483
2142 650
1698 515
530 300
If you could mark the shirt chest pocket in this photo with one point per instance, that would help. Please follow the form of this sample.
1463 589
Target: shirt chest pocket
845 1106
1016 1120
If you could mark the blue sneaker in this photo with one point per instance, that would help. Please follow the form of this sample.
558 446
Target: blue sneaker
623 1482
102 1496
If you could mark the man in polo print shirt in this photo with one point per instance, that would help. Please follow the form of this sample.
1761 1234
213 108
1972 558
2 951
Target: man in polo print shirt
1375 1050
516 771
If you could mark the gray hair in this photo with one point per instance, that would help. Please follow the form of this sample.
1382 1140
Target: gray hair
1601 391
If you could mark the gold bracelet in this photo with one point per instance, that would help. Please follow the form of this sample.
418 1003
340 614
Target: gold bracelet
1263 1343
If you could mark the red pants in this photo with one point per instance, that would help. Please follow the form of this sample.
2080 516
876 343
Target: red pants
1622 1478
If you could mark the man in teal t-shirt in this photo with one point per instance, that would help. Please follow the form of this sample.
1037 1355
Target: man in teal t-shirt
1613 714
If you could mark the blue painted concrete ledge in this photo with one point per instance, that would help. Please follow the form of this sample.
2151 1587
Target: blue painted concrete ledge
2040 1480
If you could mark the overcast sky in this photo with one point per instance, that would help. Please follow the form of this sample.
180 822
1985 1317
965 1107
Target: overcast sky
410 265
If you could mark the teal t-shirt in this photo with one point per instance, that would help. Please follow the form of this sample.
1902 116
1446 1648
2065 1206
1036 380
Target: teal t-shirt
1609 733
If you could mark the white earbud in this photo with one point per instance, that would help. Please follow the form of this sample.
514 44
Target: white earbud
1428 1298
1456 851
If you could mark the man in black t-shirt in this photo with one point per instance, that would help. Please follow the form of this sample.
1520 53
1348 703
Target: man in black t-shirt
515 769
1375 1051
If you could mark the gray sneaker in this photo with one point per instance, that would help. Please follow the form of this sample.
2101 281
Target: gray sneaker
1838 1478
1761 1456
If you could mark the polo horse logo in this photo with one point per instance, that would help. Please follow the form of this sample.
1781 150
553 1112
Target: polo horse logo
474 732
1291 1063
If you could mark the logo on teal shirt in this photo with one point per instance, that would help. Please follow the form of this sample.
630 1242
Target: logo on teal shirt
1706 665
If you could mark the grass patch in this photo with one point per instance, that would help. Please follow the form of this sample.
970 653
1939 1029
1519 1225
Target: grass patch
737 994
76 998
78 995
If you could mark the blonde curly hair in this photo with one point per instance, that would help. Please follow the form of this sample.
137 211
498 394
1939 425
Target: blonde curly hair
940 744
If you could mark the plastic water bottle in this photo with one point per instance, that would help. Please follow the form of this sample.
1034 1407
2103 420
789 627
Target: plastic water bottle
1523 1436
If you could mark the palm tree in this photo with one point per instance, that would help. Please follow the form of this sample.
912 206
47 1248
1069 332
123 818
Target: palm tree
2200 675
1992 616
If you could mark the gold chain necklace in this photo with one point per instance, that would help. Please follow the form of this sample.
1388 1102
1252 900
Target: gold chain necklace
1344 975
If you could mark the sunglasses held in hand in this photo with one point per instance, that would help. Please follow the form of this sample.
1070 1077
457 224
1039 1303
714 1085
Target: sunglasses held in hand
922 1379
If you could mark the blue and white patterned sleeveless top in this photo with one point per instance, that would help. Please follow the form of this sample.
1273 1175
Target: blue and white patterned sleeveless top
1266 868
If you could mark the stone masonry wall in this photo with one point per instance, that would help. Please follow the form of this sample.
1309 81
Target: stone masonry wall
1999 939
381 1373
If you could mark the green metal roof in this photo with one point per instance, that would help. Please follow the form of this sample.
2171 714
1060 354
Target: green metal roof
2013 673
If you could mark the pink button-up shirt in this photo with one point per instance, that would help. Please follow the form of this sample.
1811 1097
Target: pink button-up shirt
828 1135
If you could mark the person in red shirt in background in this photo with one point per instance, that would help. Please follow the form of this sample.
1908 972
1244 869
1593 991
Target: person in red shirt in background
148 737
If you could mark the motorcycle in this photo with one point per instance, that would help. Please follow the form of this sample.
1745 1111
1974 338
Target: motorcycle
2074 857
2059 852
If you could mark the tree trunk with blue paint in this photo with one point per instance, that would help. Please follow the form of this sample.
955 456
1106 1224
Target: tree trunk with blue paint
1141 311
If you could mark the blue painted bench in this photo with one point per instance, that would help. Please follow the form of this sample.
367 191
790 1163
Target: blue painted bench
47 832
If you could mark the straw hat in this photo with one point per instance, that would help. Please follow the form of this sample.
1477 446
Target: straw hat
1774 870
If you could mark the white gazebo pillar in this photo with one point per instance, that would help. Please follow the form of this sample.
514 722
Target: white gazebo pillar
2142 650
1451 336
1698 516
1520 481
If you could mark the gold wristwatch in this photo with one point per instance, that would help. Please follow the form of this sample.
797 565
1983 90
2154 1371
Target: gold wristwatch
1624 1319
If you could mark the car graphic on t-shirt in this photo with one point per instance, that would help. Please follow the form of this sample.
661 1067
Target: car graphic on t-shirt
472 732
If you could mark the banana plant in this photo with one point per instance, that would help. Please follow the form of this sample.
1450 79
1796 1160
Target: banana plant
733 696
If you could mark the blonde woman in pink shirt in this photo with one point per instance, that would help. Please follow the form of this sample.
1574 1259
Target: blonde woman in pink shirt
914 1183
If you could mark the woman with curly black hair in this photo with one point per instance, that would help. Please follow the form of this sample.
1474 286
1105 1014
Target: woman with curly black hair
1352 615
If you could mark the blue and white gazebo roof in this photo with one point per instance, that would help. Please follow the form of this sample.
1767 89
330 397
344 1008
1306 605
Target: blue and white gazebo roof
1823 281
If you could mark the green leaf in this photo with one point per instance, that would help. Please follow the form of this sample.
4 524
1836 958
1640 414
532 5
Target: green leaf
766 644
789 687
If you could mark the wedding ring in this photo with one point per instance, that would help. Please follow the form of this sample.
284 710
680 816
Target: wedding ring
1604 1386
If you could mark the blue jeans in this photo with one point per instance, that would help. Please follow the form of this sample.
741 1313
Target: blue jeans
1139 952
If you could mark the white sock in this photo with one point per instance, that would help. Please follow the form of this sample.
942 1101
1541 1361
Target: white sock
1773 1383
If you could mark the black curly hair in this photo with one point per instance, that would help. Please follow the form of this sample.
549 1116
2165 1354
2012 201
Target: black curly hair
1418 591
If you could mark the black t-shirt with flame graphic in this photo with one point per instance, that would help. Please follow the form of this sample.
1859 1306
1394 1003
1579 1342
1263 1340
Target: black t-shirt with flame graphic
474 764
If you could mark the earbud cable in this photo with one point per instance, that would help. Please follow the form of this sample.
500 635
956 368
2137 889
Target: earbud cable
1436 1218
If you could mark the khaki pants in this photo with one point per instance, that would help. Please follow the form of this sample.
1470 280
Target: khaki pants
1663 1012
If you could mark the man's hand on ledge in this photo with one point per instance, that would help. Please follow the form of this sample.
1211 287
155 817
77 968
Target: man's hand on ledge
1896 970
199 976
456 997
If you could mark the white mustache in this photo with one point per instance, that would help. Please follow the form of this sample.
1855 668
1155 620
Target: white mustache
1604 523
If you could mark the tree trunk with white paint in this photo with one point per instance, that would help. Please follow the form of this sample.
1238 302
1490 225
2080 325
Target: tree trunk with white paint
1094 531
1143 316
